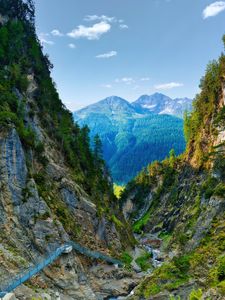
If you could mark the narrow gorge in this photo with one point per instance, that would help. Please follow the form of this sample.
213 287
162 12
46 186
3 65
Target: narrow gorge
163 239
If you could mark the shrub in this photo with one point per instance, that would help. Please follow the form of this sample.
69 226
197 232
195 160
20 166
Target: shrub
143 261
182 263
126 258
7 118
39 179
196 295
116 221
209 186
220 190
221 269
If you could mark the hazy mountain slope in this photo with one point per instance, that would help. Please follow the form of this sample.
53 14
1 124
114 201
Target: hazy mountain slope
53 188
131 136
182 201
110 106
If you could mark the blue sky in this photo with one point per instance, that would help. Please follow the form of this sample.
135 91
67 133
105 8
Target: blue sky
129 47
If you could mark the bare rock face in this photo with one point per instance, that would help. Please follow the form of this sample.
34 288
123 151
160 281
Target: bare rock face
10 296
133 211
31 230
111 281
13 165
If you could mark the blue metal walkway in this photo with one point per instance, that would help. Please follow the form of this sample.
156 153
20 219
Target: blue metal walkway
21 278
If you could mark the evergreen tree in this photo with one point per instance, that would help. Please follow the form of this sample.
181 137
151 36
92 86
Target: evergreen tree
98 154
187 126
172 158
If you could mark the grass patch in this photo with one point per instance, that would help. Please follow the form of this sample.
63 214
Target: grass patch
138 225
116 221
143 261
126 258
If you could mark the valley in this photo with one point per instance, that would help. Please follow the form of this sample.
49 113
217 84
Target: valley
64 235
133 135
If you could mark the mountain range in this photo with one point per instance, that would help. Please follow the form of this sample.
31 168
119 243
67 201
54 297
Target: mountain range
135 134
162 104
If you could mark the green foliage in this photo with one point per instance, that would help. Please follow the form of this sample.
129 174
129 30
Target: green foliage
143 261
187 126
205 105
27 136
138 225
23 10
221 269
196 295
212 186
182 263
130 143
172 158
221 287
168 277
208 186
220 118
219 166
126 258
142 183
21 55
118 190
7 118
97 148
116 221
220 190
153 289
175 298
182 238
39 179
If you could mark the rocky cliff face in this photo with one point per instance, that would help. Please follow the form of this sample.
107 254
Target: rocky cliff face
182 201
52 188
31 227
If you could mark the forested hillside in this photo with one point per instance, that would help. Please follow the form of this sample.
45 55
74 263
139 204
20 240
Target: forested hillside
53 186
182 201
131 135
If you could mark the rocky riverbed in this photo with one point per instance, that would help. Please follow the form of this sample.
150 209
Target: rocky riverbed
147 243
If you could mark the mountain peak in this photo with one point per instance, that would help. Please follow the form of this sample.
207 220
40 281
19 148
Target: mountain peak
161 104
114 99
156 103
112 105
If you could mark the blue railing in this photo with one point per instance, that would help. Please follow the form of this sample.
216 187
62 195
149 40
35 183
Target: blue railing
23 277
95 254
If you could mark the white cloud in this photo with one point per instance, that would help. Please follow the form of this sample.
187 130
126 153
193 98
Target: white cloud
72 46
56 32
43 37
107 55
102 18
213 9
123 26
107 86
91 33
126 80
168 86
145 79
